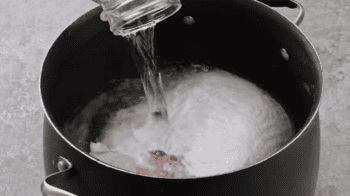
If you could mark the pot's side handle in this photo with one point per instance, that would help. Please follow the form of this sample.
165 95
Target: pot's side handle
48 190
287 3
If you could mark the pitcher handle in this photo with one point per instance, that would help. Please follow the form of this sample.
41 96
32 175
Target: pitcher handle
287 3
48 190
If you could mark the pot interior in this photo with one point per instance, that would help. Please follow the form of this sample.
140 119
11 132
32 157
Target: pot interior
243 38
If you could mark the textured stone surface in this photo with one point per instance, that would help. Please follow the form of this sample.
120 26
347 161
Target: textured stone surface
28 29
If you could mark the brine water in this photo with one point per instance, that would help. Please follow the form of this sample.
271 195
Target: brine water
241 123
146 63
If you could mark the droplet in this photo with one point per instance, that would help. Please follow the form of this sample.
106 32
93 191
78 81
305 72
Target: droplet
284 54
188 20
104 16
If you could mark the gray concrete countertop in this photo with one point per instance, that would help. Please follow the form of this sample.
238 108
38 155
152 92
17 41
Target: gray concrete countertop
29 28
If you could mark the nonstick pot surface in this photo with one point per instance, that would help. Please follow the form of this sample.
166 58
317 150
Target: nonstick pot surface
241 37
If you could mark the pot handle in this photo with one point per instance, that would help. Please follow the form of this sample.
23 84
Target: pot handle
65 169
287 3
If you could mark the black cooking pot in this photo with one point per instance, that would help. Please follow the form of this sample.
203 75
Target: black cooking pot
244 37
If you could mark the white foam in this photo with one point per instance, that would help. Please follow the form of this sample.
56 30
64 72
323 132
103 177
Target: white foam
218 122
